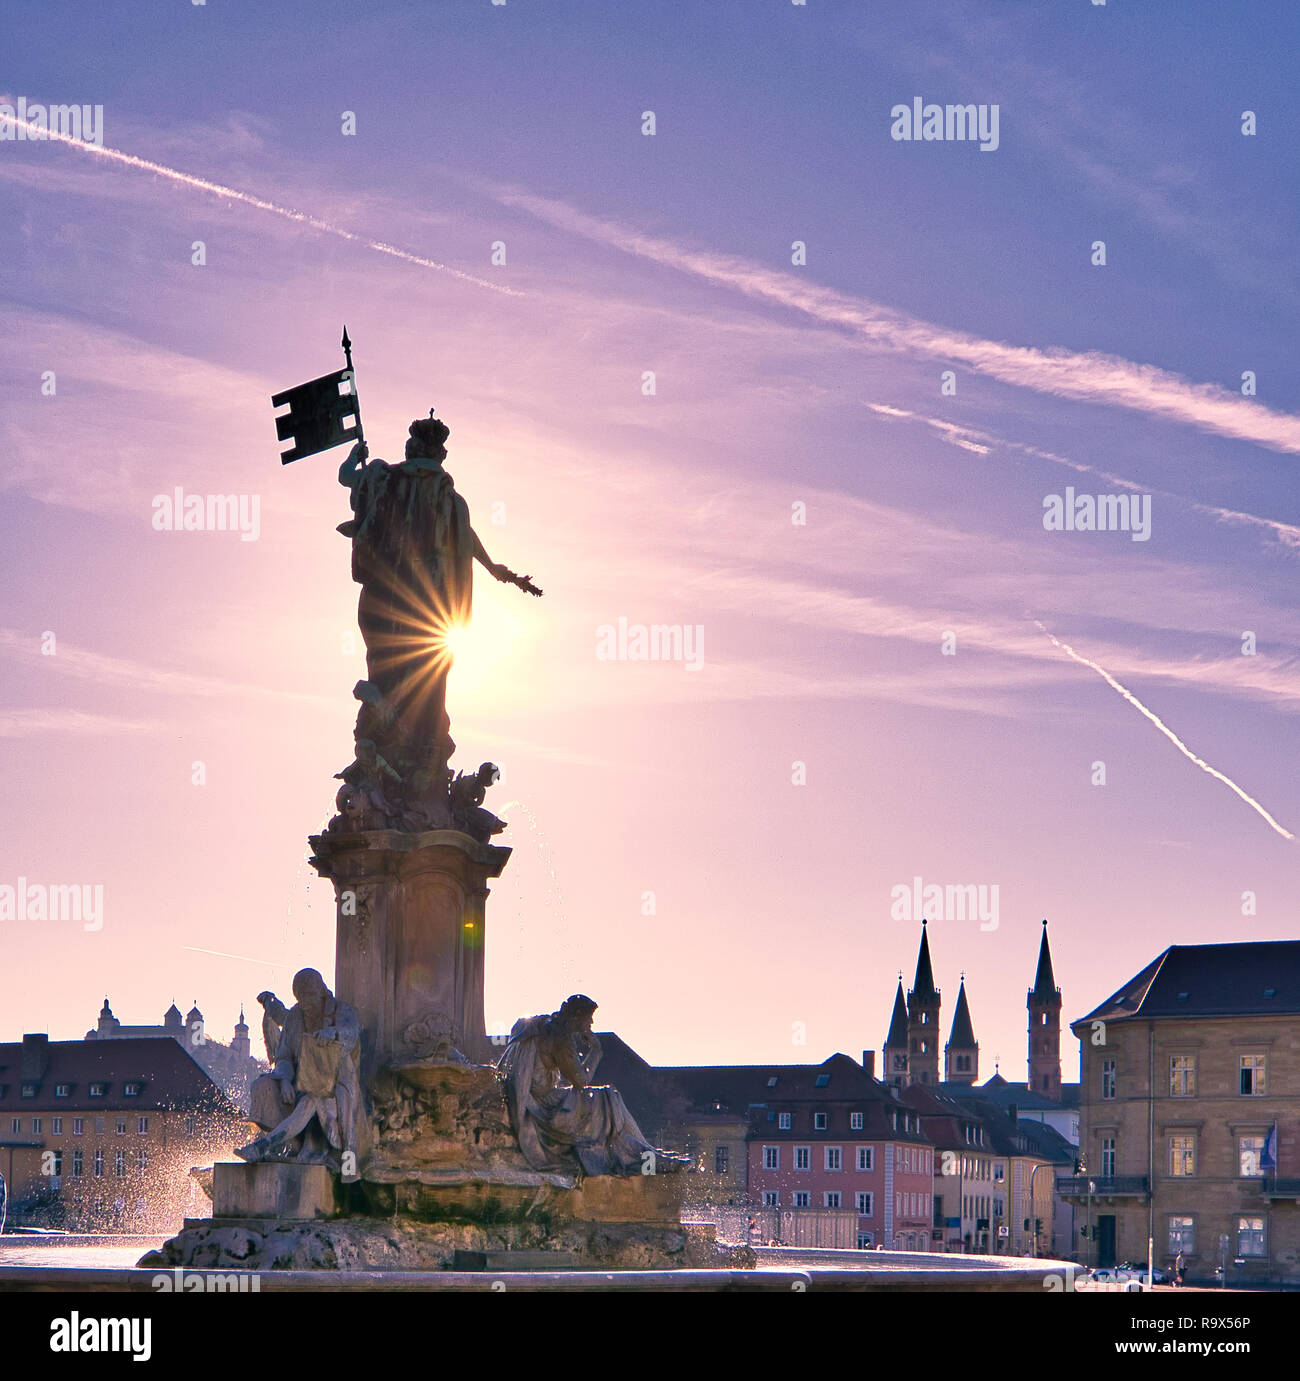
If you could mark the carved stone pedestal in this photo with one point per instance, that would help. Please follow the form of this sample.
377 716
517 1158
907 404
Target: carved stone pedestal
273 1189
410 942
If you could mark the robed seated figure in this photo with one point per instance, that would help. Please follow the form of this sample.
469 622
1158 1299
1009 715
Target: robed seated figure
562 1121
308 1105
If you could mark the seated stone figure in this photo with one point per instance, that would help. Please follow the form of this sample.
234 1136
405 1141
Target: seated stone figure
309 1104
562 1122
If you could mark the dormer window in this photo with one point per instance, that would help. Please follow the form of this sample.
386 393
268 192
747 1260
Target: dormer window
62 1090
98 1090
819 1121
28 1090
132 1090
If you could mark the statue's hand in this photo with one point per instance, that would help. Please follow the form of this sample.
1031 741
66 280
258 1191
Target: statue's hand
287 1091
525 582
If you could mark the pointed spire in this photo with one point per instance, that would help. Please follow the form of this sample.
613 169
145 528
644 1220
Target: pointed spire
923 988
1044 983
963 1034
897 1038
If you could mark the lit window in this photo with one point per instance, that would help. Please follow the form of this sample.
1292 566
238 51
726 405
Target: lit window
803 1157
833 1158
1252 1076
1182 1076
1182 1236
1250 1237
1108 1078
785 1121
1182 1155
1250 1152
864 1157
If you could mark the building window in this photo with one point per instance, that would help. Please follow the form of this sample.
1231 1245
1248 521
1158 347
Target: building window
1182 1236
801 1198
1107 1157
62 1090
99 1125
132 1090
771 1199
78 1126
803 1157
1252 1076
56 1126
721 1155
28 1090
834 1160
58 1168
864 1157
142 1160
36 1126
120 1128
1182 1076
77 1163
1250 1237
142 1127
16 1125
771 1157
98 1090
190 1125
99 1164
864 1241
832 1198
819 1122
119 1162
864 1203
1250 1151
855 1121
785 1121
1182 1155
1108 1078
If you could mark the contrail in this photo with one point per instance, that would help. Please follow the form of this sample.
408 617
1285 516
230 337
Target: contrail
1168 732
265 963
259 203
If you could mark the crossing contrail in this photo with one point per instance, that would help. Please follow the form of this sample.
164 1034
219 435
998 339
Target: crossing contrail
202 184
1167 731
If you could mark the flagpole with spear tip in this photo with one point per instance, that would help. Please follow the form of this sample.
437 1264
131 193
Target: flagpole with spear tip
352 378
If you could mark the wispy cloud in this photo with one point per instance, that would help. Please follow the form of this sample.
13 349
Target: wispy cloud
1089 376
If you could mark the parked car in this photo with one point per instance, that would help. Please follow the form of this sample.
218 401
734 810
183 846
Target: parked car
1138 1270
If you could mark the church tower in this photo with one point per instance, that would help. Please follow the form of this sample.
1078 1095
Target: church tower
894 1071
1044 1003
923 1020
961 1056
241 1047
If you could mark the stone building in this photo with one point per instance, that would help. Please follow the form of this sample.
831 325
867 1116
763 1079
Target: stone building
1190 1110
101 1136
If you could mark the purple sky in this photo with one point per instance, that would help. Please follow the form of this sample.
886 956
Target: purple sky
775 385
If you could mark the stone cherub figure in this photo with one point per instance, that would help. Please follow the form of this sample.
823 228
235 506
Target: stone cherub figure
309 1104
361 801
467 793
563 1122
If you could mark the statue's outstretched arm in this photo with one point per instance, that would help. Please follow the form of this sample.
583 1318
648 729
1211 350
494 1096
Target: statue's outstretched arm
502 573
